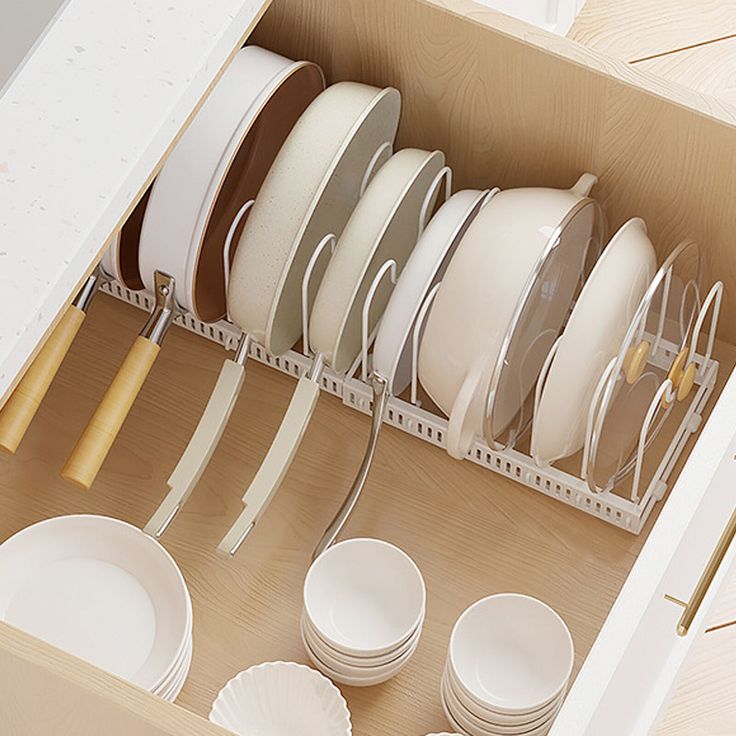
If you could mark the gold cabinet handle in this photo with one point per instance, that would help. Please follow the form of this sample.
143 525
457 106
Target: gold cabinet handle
696 599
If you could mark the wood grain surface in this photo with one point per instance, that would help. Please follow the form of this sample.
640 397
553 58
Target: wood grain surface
471 532
521 107
636 29
710 69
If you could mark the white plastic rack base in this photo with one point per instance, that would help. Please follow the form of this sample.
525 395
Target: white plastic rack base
553 482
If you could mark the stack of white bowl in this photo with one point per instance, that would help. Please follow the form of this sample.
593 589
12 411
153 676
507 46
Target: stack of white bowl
104 591
364 607
508 667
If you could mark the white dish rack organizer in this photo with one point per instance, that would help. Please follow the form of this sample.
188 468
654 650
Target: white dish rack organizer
627 512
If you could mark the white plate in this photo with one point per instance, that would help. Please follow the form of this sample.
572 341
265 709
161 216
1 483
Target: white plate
100 589
592 337
425 267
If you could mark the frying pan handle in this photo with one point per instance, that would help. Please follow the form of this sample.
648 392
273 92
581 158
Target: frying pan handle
21 407
275 465
466 413
380 399
91 450
201 447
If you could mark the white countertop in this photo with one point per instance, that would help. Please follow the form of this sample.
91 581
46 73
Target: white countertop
83 125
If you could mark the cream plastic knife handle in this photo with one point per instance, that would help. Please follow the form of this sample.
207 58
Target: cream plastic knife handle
201 447
21 407
275 465
93 446
380 399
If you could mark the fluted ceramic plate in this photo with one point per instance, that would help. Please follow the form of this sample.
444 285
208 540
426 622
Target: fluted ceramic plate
281 699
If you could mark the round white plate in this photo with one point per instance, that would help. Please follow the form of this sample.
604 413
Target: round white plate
591 339
100 589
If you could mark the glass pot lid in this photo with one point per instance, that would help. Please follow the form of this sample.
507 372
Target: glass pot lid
633 390
540 315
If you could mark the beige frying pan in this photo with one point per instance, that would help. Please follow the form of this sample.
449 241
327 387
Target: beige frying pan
119 262
223 156
381 232
310 192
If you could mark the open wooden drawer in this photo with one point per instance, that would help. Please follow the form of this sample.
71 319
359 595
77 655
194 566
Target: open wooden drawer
510 105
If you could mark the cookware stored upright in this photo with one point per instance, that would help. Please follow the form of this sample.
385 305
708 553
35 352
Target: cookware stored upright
394 347
310 192
223 155
592 338
379 236
478 297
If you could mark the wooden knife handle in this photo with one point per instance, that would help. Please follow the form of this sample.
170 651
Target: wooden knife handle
91 450
21 407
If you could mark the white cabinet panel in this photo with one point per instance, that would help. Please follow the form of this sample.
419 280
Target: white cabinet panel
629 675
83 125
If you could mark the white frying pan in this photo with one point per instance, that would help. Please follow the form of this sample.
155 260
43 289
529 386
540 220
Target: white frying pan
384 226
393 348
310 191
223 156
120 262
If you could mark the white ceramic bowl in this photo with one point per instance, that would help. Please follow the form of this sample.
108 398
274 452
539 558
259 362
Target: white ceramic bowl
511 652
130 613
359 677
340 658
278 698
503 725
364 596
493 716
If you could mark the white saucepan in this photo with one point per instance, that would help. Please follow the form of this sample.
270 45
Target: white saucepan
477 299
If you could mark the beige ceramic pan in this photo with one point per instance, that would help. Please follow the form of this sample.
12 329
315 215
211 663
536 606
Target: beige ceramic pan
377 241
309 193
223 155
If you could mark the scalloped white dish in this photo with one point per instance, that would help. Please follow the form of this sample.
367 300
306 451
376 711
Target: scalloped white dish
281 699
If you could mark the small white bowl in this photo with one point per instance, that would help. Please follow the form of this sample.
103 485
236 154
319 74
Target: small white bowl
511 653
364 596
319 646
275 698
358 677
493 716
479 723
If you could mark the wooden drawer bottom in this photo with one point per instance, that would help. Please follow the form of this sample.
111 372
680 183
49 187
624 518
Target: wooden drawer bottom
471 532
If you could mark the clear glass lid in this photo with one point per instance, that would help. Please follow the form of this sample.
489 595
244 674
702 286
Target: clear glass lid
635 399
538 320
